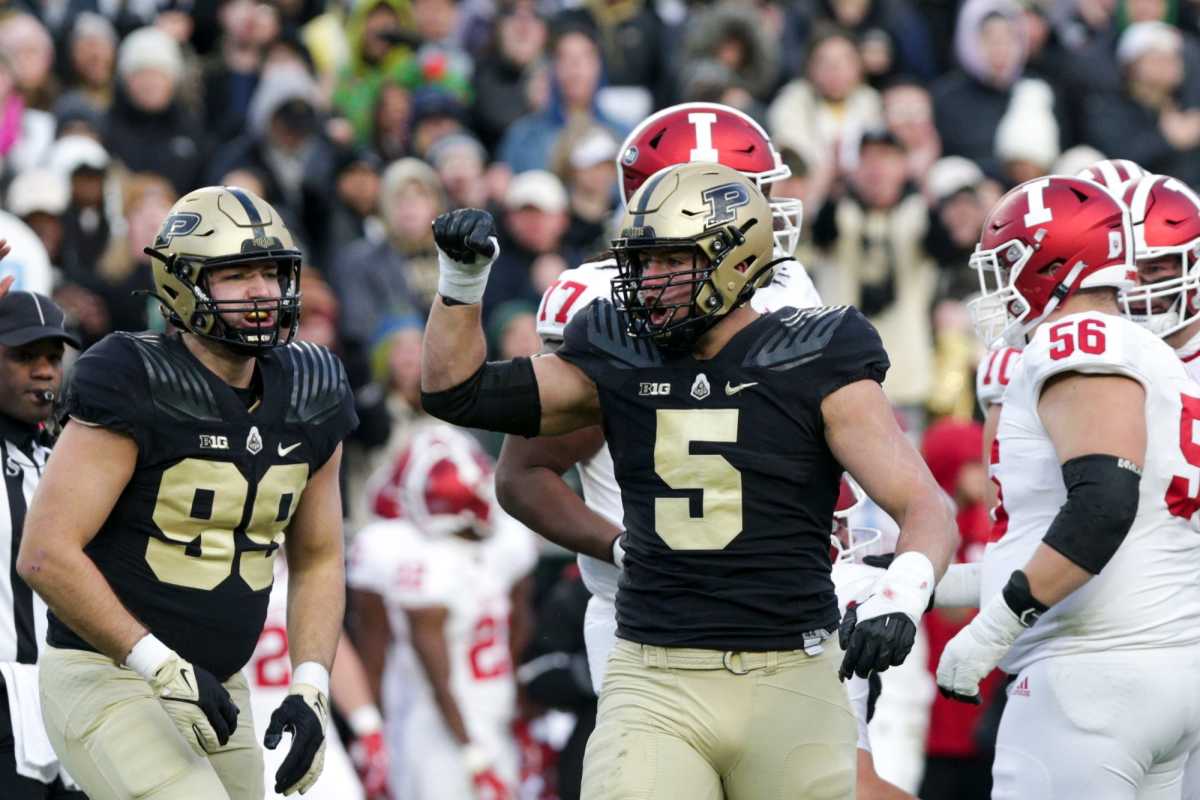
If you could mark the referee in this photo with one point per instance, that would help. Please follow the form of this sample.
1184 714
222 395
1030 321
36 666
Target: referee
32 340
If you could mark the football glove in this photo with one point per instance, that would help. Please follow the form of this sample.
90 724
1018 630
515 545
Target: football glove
369 752
197 703
304 714
486 782
879 632
977 649
467 247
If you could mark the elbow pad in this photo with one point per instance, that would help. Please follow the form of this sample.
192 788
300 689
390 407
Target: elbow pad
1102 501
500 396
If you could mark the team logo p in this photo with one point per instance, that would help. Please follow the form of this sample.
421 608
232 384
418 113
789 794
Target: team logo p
722 200
179 224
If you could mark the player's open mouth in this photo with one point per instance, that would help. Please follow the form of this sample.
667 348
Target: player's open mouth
257 319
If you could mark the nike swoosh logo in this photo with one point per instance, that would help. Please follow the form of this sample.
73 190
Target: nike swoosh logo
283 451
730 389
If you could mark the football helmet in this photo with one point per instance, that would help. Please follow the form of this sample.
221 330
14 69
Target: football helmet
718 215
1045 240
441 483
714 133
213 228
1166 223
1114 174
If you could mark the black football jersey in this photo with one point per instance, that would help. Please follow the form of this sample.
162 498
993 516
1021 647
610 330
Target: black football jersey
190 545
727 482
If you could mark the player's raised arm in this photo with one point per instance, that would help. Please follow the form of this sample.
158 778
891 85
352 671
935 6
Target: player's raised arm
863 434
545 395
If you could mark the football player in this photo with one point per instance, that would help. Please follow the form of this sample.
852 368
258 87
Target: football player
187 460
438 585
1166 235
1089 596
728 430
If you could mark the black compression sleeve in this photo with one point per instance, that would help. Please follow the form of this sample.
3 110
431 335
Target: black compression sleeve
500 396
1102 501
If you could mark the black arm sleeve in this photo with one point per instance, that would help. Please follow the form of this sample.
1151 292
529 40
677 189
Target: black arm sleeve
1102 502
501 396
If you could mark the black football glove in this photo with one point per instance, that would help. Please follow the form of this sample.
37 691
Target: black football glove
197 703
465 233
874 644
304 714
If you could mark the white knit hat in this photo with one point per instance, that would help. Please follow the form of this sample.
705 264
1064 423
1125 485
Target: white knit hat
149 48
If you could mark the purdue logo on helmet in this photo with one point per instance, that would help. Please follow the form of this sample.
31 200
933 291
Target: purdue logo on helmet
696 241
218 227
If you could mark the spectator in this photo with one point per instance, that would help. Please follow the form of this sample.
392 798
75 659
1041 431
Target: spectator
822 115
577 75
93 55
391 123
892 37
908 114
583 159
501 80
436 113
1149 121
230 75
39 197
442 59
970 102
874 236
285 146
531 251
957 211
29 48
956 768
355 205
147 128
635 53
460 161
731 34
125 268
25 133
87 167
1027 137
376 280
375 31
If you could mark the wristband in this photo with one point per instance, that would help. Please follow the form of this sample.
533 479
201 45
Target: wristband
313 674
618 552
148 656
464 283
365 720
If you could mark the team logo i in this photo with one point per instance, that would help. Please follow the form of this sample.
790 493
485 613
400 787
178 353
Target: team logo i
700 388
254 441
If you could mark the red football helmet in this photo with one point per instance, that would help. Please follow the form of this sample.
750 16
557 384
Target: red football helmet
1114 174
441 483
710 132
1045 240
1166 224
852 543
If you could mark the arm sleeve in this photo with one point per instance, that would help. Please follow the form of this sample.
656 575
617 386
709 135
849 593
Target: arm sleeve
108 387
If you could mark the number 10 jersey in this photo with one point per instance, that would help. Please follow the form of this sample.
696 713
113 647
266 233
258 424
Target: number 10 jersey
727 483
1148 595
189 546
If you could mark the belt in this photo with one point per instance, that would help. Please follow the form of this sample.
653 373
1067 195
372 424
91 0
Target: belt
739 662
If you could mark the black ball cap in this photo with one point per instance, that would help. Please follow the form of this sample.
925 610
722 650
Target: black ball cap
30 317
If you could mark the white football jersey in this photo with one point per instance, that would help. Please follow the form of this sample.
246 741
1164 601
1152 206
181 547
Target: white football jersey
575 289
993 374
853 582
269 674
1147 596
1189 354
473 581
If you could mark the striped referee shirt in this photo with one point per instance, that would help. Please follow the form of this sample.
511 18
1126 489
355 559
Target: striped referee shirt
22 613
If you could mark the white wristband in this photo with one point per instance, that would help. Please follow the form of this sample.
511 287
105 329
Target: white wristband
365 720
910 579
618 552
148 655
464 282
313 674
959 587
475 758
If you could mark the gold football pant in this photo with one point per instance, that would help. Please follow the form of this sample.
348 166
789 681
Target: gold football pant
117 742
687 724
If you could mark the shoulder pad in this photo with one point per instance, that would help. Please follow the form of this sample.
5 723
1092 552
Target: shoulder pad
1092 343
603 330
319 383
176 385
797 337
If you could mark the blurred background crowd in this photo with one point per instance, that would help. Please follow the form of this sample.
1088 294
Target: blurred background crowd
902 121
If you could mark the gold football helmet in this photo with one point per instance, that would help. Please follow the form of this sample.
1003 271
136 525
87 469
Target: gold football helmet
213 228
718 215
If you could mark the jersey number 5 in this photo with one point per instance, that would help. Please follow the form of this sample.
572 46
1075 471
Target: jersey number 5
1087 334
719 483
1179 499
201 504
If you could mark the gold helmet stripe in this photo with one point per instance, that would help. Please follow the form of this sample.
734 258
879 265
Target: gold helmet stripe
256 220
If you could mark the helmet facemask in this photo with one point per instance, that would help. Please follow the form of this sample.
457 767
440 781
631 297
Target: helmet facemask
999 314
1176 299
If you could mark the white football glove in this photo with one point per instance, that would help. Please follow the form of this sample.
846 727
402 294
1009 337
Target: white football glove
304 714
197 703
976 650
